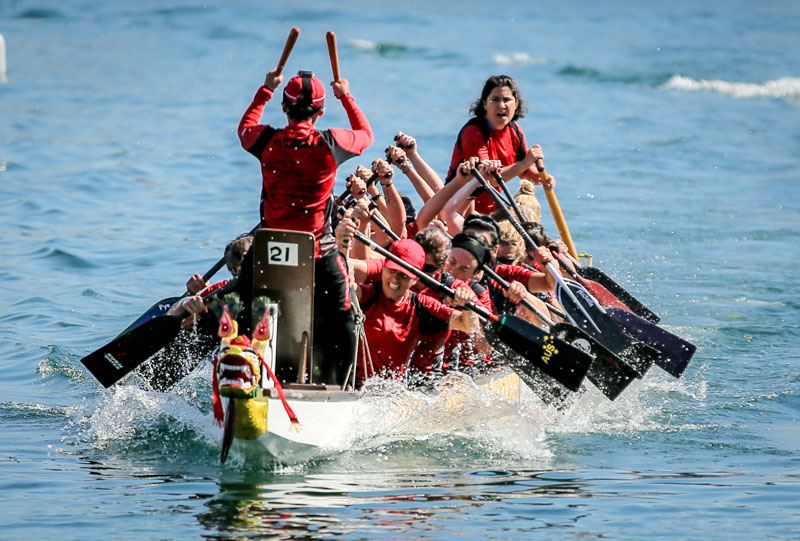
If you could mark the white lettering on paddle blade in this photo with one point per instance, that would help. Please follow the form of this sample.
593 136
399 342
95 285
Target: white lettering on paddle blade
112 361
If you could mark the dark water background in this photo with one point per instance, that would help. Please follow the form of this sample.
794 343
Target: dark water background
673 130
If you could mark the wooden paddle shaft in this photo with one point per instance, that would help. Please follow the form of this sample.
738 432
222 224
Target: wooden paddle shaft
555 209
334 52
294 33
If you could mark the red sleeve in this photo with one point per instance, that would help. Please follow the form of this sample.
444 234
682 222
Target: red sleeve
514 272
485 300
473 144
374 269
460 283
435 308
249 127
357 139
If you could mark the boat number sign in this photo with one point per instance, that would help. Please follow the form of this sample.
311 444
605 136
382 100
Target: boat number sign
282 253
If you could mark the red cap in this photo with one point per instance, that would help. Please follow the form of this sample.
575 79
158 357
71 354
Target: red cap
409 251
294 90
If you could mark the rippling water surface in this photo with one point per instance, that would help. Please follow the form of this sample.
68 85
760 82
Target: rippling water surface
673 131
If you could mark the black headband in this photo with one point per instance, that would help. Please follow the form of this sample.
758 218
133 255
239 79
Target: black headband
478 249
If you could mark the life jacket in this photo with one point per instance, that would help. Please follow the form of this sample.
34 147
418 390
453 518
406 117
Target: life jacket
483 125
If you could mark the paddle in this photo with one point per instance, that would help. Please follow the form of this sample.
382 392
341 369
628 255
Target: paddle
567 364
600 277
584 313
637 355
110 370
548 389
334 54
607 372
291 39
674 352
125 353
346 194
498 199
555 210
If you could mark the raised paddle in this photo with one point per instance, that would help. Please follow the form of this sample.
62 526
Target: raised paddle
291 39
333 51
565 363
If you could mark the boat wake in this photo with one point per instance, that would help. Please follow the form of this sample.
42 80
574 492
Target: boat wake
393 424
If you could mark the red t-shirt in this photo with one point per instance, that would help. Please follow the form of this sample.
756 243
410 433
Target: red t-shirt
298 164
501 145
393 330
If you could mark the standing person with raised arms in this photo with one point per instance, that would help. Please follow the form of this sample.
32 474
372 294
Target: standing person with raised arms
298 166
493 134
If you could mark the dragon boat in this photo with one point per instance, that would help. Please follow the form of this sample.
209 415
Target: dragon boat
267 392
273 398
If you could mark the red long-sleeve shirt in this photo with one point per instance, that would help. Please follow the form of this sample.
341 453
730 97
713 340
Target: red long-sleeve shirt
299 162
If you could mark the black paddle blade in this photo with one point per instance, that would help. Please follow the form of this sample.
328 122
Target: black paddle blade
674 352
602 328
546 388
550 391
593 273
566 364
122 355
607 372
158 309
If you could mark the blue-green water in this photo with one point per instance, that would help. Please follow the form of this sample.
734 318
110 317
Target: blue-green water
673 130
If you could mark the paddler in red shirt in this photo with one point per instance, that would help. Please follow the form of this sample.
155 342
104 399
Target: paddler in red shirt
298 166
397 317
493 134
